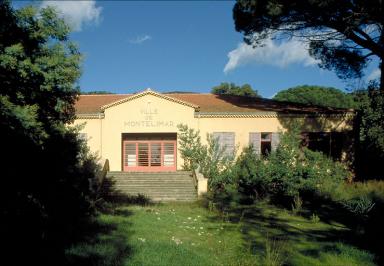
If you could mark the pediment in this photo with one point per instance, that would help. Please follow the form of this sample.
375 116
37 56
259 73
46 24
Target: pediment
149 92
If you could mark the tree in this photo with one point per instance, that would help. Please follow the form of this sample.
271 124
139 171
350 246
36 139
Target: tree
316 95
370 152
226 88
342 35
45 168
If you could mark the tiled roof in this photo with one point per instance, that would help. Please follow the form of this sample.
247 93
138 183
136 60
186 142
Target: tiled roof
208 103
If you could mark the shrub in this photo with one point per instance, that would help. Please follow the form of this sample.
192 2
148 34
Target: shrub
211 158
190 147
287 172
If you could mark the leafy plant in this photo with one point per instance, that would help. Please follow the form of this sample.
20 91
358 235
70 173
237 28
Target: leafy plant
274 252
297 205
314 218
212 158
190 147
360 206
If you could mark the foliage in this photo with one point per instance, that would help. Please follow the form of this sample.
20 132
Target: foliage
216 163
342 36
274 252
226 88
360 206
287 172
297 204
316 95
46 169
211 159
190 147
314 218
370 149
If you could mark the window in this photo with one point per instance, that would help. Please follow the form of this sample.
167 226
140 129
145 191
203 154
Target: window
329 143
226 140
266 143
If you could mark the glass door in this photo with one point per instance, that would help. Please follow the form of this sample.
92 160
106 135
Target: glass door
147 156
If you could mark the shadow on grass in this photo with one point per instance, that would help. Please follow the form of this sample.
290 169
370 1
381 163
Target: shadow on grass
104 239
366 232
262 224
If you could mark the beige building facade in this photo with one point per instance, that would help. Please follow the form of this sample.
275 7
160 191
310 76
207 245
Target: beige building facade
138 132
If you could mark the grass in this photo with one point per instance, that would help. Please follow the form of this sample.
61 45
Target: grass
188 234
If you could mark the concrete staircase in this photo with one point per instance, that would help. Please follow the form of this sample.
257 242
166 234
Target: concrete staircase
159 186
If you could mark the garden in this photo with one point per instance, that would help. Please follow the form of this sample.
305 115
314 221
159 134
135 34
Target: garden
292 207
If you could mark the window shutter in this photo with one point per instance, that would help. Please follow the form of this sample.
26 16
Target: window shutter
255 141
275 140
227 140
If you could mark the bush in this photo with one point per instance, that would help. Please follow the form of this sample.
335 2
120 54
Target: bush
210 159
288 172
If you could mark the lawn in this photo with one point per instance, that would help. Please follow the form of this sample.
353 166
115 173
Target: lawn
188 234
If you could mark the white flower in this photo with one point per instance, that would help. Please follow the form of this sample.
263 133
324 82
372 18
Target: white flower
176 240
201 227
189 218
141 239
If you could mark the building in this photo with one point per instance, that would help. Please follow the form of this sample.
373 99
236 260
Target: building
138 132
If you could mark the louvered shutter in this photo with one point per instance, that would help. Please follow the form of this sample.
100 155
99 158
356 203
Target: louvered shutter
255 141
227 140
275 140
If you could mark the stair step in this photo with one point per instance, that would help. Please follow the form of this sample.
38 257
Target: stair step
162 186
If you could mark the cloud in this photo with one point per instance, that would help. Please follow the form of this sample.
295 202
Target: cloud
375 74
271 53
76 13
140 39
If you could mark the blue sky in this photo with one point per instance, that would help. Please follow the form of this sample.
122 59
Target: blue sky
184 46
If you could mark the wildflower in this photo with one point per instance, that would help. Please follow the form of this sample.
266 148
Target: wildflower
201 228
176 240
141 239
189 218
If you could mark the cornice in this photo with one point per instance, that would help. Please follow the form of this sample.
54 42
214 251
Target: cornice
90 116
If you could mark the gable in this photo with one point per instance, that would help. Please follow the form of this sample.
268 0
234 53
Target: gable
147 93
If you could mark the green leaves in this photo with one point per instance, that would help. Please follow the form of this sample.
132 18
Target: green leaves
343 35
226 88
317 95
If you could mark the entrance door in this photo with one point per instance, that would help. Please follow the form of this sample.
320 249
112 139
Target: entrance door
147 156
